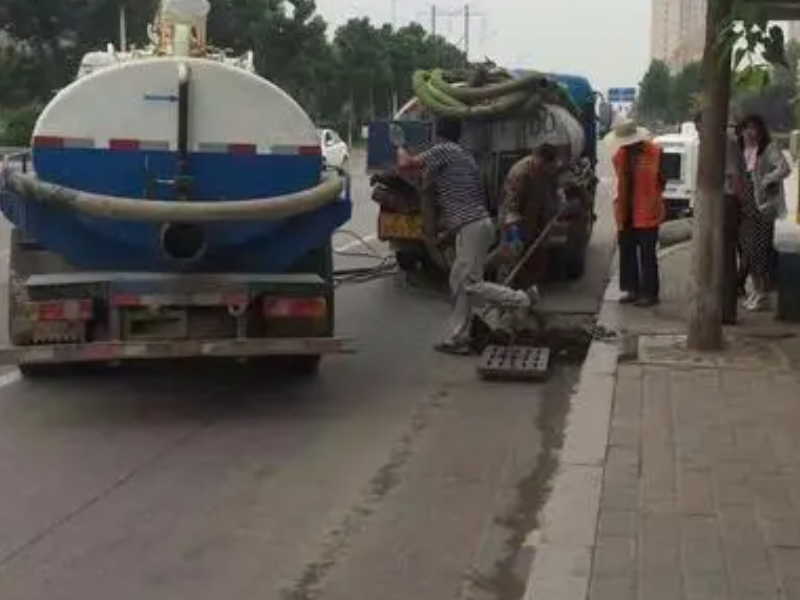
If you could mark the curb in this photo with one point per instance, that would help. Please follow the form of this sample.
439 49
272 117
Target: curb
565 541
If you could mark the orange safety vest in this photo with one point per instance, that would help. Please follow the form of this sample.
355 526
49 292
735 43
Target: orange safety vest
648 203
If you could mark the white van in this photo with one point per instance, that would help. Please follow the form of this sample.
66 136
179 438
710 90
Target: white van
681 159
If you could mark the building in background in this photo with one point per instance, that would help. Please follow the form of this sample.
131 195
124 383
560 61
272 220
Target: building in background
678 31
794 30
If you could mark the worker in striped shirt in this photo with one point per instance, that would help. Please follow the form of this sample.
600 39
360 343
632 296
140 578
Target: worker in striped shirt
459 210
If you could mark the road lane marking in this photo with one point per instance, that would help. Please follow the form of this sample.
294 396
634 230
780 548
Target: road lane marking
10 378
356 243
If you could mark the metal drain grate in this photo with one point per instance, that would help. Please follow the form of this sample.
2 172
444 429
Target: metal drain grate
515 362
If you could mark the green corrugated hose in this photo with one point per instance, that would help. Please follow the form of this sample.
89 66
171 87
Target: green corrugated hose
509 97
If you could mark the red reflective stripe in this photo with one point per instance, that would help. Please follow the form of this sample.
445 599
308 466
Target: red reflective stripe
48 141
310 151
62 310
126 300
242 148
124 144
295 307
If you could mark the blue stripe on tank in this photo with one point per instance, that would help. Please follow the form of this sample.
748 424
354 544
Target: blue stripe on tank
142 174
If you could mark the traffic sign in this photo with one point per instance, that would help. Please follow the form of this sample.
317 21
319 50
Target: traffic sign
622 95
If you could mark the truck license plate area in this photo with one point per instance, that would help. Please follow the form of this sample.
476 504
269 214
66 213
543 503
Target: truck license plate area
155 324
394 226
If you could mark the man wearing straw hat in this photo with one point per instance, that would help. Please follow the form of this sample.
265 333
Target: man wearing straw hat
639 210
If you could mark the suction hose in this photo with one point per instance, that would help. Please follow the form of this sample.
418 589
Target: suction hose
523 96
135 209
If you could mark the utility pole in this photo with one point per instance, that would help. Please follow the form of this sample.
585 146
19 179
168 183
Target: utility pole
466 31
123 28
433 19
708 263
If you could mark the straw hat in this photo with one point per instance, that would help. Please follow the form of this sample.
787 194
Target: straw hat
626 133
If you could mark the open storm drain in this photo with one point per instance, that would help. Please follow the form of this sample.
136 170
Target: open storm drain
515 362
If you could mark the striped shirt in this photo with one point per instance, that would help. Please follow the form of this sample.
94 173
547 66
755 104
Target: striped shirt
459 190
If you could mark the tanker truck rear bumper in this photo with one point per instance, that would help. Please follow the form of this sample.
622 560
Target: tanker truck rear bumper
115 317
111 352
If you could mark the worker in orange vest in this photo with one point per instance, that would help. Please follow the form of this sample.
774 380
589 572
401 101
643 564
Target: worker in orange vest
639 210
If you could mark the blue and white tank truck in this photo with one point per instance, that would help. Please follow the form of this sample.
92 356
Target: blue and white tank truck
175 206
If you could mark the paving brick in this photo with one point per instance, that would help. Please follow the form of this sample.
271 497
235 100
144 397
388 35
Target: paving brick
732 484
753 441
621 480
772 496
784 445
701 547
695 492
614 557
784 533
787 564
613 588
627 413
695 396
746 557
660 558
791 589
658 452
628 400
625 434
707 587
618 523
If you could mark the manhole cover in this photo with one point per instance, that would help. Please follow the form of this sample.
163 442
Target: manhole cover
515 362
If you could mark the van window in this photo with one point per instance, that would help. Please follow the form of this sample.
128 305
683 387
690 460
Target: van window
672 166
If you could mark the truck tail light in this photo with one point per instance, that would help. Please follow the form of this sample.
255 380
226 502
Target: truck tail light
60 310
295 308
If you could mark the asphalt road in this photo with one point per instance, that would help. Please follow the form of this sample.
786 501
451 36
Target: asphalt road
394 474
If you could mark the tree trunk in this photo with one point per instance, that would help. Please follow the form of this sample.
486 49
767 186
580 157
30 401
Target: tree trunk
705 320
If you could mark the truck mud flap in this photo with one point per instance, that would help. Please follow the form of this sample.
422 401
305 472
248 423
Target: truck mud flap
140 351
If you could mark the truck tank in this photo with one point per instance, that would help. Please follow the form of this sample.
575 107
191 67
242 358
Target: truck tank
176 163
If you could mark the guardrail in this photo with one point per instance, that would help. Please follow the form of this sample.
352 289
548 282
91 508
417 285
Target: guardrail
4 150
11 156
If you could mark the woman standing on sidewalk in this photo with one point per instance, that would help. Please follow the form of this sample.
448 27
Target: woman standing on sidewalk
763 202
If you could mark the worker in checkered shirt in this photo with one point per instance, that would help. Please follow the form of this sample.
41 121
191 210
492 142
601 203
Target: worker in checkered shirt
457 208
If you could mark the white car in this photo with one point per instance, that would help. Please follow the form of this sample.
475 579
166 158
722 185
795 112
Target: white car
335 152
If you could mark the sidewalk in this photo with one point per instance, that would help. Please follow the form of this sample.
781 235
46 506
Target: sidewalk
680 472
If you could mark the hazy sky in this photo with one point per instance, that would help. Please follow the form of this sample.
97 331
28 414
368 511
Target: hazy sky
606 41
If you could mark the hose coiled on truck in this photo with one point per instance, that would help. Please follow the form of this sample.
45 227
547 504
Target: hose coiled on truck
137 209
502 97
